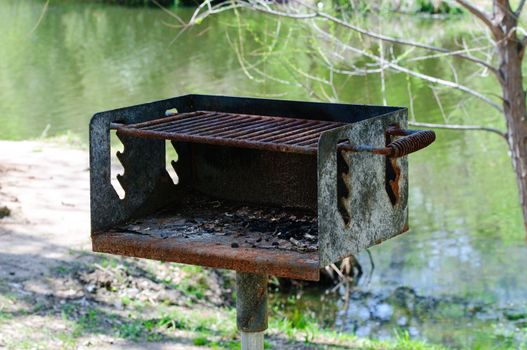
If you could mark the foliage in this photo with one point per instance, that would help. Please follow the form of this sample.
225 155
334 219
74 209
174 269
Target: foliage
407 6
436 7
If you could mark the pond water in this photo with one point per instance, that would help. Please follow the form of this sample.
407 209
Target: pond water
465 254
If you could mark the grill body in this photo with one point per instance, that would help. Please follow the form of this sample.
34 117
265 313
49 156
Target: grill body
264 159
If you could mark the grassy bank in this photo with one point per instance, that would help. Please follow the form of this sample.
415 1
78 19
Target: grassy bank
145 302
54 296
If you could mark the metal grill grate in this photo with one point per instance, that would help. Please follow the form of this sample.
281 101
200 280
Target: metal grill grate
238 130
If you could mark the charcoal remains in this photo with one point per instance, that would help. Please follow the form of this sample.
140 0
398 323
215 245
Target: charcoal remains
245 226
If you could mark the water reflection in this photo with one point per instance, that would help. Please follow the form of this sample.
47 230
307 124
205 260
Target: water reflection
466 246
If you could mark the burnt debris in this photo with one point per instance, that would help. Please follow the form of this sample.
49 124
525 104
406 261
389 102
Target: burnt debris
246 226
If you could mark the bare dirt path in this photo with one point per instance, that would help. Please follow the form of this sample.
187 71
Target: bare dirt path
46 189
56 294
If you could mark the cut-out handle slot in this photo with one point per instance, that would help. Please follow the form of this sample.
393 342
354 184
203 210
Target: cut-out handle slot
116 167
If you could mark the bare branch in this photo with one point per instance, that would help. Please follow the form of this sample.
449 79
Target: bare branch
383 80
40 18
465 50
261 6
315 13
170 13
520 8
458 127
401 41
446 83
411 72
478 12
410 99
439 104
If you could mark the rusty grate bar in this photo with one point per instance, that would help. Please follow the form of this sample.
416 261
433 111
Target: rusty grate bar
238 130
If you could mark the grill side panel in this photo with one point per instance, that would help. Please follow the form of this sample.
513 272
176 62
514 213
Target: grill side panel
337 112
146 182
360 213
304 179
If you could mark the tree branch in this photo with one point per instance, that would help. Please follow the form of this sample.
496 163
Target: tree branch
519 9
484 17
41 17
478 12
411 72
258 5
261 6
459 127
400 41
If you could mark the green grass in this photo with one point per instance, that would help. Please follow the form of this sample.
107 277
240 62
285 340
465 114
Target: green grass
5 316
201 340
215 328
211 327
63 270
194 284
88 322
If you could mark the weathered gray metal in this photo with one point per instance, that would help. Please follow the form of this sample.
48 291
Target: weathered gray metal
251 309
372 216
145 181
357 192
251 302
252 340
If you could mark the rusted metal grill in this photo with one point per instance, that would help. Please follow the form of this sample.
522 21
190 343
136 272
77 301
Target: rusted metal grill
264 186
238 130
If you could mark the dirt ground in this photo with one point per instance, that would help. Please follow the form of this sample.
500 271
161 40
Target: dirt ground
44 251
46 189
56 294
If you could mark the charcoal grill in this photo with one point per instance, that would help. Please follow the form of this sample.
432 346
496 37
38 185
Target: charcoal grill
264 186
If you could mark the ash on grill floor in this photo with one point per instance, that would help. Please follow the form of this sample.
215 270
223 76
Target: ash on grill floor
239 225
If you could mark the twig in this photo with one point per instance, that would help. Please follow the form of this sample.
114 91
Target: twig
260 6
451 53
458 127
170 13
478 12
410 98
413 73
439 104
484 17
520 8
339 273
372 264
397 40
40 18
383 81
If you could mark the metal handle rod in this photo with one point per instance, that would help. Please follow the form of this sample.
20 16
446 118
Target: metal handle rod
413 140
252 340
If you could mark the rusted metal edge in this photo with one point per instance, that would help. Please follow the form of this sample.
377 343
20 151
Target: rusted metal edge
264 146
232 129
380 241
218 141
193 251
404 230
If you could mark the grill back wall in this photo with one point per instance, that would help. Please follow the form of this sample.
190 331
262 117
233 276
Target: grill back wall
250 175
360 198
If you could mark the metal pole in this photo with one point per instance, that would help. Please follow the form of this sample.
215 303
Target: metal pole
252 341
251 309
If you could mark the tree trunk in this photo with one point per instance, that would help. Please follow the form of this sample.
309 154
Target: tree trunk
511 51
517 139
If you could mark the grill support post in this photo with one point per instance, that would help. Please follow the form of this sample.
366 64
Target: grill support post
251 309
